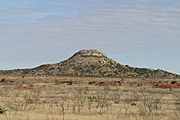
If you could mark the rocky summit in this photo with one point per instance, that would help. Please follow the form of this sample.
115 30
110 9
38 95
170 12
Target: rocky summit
90 63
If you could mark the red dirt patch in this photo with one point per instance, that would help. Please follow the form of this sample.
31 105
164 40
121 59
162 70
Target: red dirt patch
168 85
110 83
26 87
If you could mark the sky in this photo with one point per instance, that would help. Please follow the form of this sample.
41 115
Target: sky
140 33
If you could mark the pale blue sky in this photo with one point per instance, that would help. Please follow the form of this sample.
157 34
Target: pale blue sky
142 33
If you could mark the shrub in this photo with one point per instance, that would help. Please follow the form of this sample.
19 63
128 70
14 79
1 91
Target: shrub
3 80
2 110
173 82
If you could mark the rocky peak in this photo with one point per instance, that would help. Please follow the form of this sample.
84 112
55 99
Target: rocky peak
89 53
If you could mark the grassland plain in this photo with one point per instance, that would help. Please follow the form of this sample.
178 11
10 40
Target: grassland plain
88 98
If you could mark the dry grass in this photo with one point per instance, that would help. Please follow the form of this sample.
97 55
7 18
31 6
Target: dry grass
67 98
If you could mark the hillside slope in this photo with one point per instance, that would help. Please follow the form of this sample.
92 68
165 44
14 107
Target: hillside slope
89 63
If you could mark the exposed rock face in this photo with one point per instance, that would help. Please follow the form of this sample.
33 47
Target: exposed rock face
89 53
90 63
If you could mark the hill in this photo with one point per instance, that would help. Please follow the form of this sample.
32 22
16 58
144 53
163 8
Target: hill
89 63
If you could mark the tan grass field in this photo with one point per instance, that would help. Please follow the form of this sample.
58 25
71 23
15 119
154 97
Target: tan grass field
87 98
